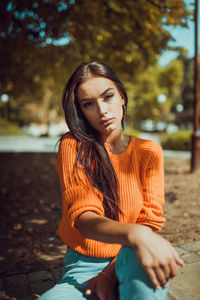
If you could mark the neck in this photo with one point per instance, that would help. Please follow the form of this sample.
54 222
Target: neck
116 141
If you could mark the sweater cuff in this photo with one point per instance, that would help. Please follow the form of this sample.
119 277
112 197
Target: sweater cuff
79 200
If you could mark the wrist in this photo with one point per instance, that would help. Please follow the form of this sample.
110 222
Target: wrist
136 233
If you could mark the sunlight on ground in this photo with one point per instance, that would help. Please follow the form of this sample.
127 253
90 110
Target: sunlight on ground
38 221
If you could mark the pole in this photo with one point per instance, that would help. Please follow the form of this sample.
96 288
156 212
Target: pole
195 161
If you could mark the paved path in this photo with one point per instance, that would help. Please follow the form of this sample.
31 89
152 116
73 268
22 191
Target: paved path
28 144
48 144
186 285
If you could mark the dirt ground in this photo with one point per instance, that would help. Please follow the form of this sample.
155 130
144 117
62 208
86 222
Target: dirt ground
31 201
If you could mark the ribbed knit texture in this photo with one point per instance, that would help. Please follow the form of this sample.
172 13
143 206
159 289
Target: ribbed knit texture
141 179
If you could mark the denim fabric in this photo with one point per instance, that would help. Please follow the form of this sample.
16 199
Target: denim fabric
134 284
78 269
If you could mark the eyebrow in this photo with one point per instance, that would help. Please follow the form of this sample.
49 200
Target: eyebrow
101 95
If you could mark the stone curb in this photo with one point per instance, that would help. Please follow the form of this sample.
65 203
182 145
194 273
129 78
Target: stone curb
185 286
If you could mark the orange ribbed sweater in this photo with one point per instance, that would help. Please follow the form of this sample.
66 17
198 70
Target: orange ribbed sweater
141 189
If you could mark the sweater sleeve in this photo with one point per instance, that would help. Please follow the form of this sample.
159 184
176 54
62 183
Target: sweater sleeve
153 191
78 194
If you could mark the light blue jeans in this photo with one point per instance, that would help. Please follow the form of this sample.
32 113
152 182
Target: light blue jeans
134 284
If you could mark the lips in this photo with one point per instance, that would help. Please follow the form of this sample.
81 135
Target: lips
106 121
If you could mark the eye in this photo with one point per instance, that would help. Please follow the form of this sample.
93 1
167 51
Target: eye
87 104
108 96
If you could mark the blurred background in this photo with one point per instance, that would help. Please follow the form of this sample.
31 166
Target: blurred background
150 45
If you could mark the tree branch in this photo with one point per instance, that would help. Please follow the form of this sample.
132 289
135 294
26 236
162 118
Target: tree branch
161 6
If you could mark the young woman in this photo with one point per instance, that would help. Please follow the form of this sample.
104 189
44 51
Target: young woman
112 194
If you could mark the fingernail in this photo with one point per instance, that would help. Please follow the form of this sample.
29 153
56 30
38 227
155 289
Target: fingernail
182 263
88 292
158 287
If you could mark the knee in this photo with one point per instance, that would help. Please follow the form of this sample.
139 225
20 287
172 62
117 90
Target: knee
127 264
129 269
133 279
127 254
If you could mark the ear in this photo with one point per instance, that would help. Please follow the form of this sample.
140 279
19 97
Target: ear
122 101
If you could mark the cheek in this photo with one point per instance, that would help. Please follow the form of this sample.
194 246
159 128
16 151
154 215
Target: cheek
119 110
91 118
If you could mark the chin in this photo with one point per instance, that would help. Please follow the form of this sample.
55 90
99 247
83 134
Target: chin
110 129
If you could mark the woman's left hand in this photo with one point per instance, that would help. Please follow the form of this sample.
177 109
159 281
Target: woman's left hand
103 286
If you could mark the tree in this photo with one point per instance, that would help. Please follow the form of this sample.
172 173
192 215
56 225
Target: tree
171 80
127 35
146 88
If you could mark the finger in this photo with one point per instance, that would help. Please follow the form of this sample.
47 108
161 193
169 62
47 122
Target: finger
91 287
153 278
167 271
173 269
179 261
161 277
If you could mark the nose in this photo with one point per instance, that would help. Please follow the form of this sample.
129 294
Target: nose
102 109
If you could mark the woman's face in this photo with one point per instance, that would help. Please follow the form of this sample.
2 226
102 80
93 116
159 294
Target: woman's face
101 103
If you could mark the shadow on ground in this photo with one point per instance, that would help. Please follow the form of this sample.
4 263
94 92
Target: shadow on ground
30 213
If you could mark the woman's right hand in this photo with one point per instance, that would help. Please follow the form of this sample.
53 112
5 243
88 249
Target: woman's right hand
156 255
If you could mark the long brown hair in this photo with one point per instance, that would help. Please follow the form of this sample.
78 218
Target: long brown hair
92 154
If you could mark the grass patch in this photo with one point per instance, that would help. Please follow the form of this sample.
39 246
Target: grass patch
180 140
7 128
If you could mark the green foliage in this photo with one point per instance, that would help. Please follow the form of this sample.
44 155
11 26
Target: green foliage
145 89
110 31
127 35
171 79
7 128
180 140
131 132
